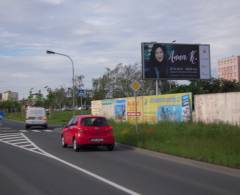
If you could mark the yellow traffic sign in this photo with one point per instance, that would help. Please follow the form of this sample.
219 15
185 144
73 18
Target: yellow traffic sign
135 85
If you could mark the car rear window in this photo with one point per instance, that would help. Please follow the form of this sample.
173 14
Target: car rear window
98 121
36 112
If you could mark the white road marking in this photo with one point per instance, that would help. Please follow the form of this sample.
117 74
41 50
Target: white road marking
12 139
21 143
23 131
16 141
38 150
27 145
6 128
7 135
4 134
113 184
36 131
48 130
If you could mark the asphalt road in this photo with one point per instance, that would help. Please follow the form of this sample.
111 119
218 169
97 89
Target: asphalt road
44 167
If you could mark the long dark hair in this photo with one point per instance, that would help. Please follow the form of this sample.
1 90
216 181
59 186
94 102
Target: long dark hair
157 69
153 59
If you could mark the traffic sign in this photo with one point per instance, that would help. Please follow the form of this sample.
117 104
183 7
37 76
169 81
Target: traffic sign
135 85
134 113
81 92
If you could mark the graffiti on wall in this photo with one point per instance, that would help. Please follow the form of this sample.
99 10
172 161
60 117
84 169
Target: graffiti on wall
170 107
120 109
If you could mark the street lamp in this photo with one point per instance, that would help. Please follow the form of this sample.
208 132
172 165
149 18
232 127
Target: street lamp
73 91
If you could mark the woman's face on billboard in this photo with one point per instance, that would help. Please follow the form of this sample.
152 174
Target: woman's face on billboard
159 54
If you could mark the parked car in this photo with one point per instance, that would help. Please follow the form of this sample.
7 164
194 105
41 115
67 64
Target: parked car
66 109
85 130
84 107
36 116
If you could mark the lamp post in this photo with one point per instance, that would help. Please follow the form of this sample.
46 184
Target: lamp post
73 91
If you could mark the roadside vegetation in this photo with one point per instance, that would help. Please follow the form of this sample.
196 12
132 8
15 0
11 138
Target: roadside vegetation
55 118
61 118
213 143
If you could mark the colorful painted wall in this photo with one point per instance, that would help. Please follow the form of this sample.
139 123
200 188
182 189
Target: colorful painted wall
172 107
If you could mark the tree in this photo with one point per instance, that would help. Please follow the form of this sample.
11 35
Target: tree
212 85
56 98
10 106
115 83
62 97
78 81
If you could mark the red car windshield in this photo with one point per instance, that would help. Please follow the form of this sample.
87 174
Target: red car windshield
94 121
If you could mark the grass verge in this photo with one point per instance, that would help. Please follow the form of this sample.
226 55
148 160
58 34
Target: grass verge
213 143
54 118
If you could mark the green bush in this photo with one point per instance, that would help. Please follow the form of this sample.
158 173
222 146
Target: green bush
214 143
56 118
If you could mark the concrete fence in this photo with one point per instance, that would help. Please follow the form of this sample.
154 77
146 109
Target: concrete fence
220 107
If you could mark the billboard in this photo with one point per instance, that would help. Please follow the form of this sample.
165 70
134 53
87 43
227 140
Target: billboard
169 107
120 109
108 108
134 112
175 61
96 107
150 109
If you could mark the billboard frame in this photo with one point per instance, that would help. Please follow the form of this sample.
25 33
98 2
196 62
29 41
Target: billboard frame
190 44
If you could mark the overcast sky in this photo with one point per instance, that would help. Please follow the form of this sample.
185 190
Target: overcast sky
102 33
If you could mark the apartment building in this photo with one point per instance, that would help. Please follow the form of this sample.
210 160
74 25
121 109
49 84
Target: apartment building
229 68
9 95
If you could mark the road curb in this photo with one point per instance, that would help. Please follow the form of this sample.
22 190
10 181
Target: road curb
58 129
51 126
189 162
21 122
198 164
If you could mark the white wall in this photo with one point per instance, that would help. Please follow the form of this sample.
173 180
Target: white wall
219 107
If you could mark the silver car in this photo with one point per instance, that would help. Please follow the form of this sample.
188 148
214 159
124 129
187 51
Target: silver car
36 116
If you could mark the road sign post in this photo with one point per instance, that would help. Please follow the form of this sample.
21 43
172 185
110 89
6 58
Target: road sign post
135 86
81 93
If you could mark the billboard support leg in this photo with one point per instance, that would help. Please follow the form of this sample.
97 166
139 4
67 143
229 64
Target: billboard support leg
81 102
158 89
136 122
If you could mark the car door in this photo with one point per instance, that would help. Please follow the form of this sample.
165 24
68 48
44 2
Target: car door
67 131
73 129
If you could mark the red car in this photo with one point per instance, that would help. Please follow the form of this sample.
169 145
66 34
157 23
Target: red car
87 130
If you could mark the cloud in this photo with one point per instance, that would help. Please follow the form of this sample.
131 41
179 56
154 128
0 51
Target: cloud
6 34
18 75
54 2
100 34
